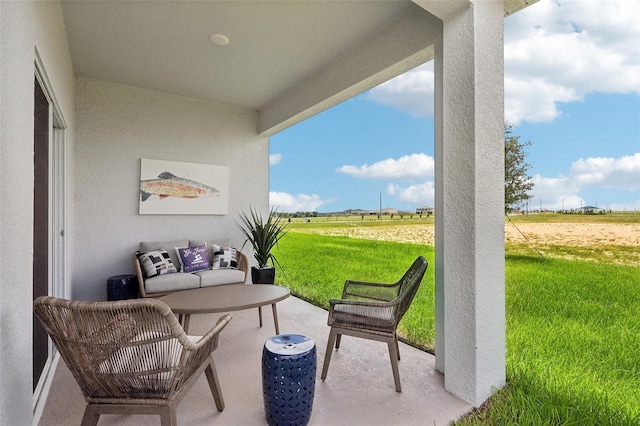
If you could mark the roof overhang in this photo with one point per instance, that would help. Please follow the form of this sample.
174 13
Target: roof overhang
287 60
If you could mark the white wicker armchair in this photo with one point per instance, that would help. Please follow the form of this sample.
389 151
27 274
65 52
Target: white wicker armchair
130 356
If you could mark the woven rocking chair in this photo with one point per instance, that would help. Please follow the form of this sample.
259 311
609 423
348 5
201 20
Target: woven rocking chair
373 311
130 357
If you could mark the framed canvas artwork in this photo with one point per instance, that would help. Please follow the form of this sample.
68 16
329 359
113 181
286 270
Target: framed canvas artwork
173 187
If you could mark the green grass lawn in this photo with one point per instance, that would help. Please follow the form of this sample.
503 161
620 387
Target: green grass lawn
573 327
316 267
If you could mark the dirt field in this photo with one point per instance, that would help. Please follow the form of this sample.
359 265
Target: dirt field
564 234
576 234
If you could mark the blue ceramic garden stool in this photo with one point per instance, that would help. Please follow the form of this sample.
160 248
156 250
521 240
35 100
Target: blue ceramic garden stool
288 379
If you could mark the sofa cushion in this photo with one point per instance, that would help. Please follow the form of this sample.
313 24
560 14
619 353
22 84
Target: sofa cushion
224 257
157 262
146 246
213 277
193 258
171 282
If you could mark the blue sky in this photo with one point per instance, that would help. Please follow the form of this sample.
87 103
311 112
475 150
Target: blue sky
572 88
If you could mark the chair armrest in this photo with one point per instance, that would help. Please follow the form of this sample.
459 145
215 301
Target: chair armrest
360 314
211 334
194 354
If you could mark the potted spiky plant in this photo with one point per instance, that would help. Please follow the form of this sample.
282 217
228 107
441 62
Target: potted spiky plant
263 235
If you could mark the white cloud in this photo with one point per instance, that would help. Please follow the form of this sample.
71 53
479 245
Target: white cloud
290 203
535 100
609 173
555 52
419 194
275 159
560 51
422 194
409 167
555 193
411 92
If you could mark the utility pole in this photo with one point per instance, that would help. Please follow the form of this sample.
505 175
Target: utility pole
380 211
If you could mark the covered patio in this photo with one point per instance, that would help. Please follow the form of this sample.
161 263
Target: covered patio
359 389
90 89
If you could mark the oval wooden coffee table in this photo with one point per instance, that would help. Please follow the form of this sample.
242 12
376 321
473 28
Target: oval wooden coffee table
225 298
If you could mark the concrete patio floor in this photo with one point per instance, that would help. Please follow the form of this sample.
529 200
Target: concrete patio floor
359 389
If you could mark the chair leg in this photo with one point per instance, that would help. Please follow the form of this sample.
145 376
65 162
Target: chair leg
91 416
214 384
338 339
327 354
397 347
260 314
168 416
393 355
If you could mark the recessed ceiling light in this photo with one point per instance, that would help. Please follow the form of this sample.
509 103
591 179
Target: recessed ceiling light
219 39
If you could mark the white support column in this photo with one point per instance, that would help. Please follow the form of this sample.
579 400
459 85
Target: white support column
470 301
439 206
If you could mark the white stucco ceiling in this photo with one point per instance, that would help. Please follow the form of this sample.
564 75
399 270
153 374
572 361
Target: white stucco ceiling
276 47
165 45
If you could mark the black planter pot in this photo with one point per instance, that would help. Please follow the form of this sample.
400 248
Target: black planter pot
263 275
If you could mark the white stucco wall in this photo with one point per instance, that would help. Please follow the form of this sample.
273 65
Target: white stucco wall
24 28
117 125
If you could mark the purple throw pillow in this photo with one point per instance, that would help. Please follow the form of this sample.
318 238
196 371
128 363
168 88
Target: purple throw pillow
193 258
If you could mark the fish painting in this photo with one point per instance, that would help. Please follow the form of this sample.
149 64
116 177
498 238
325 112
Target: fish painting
169 185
